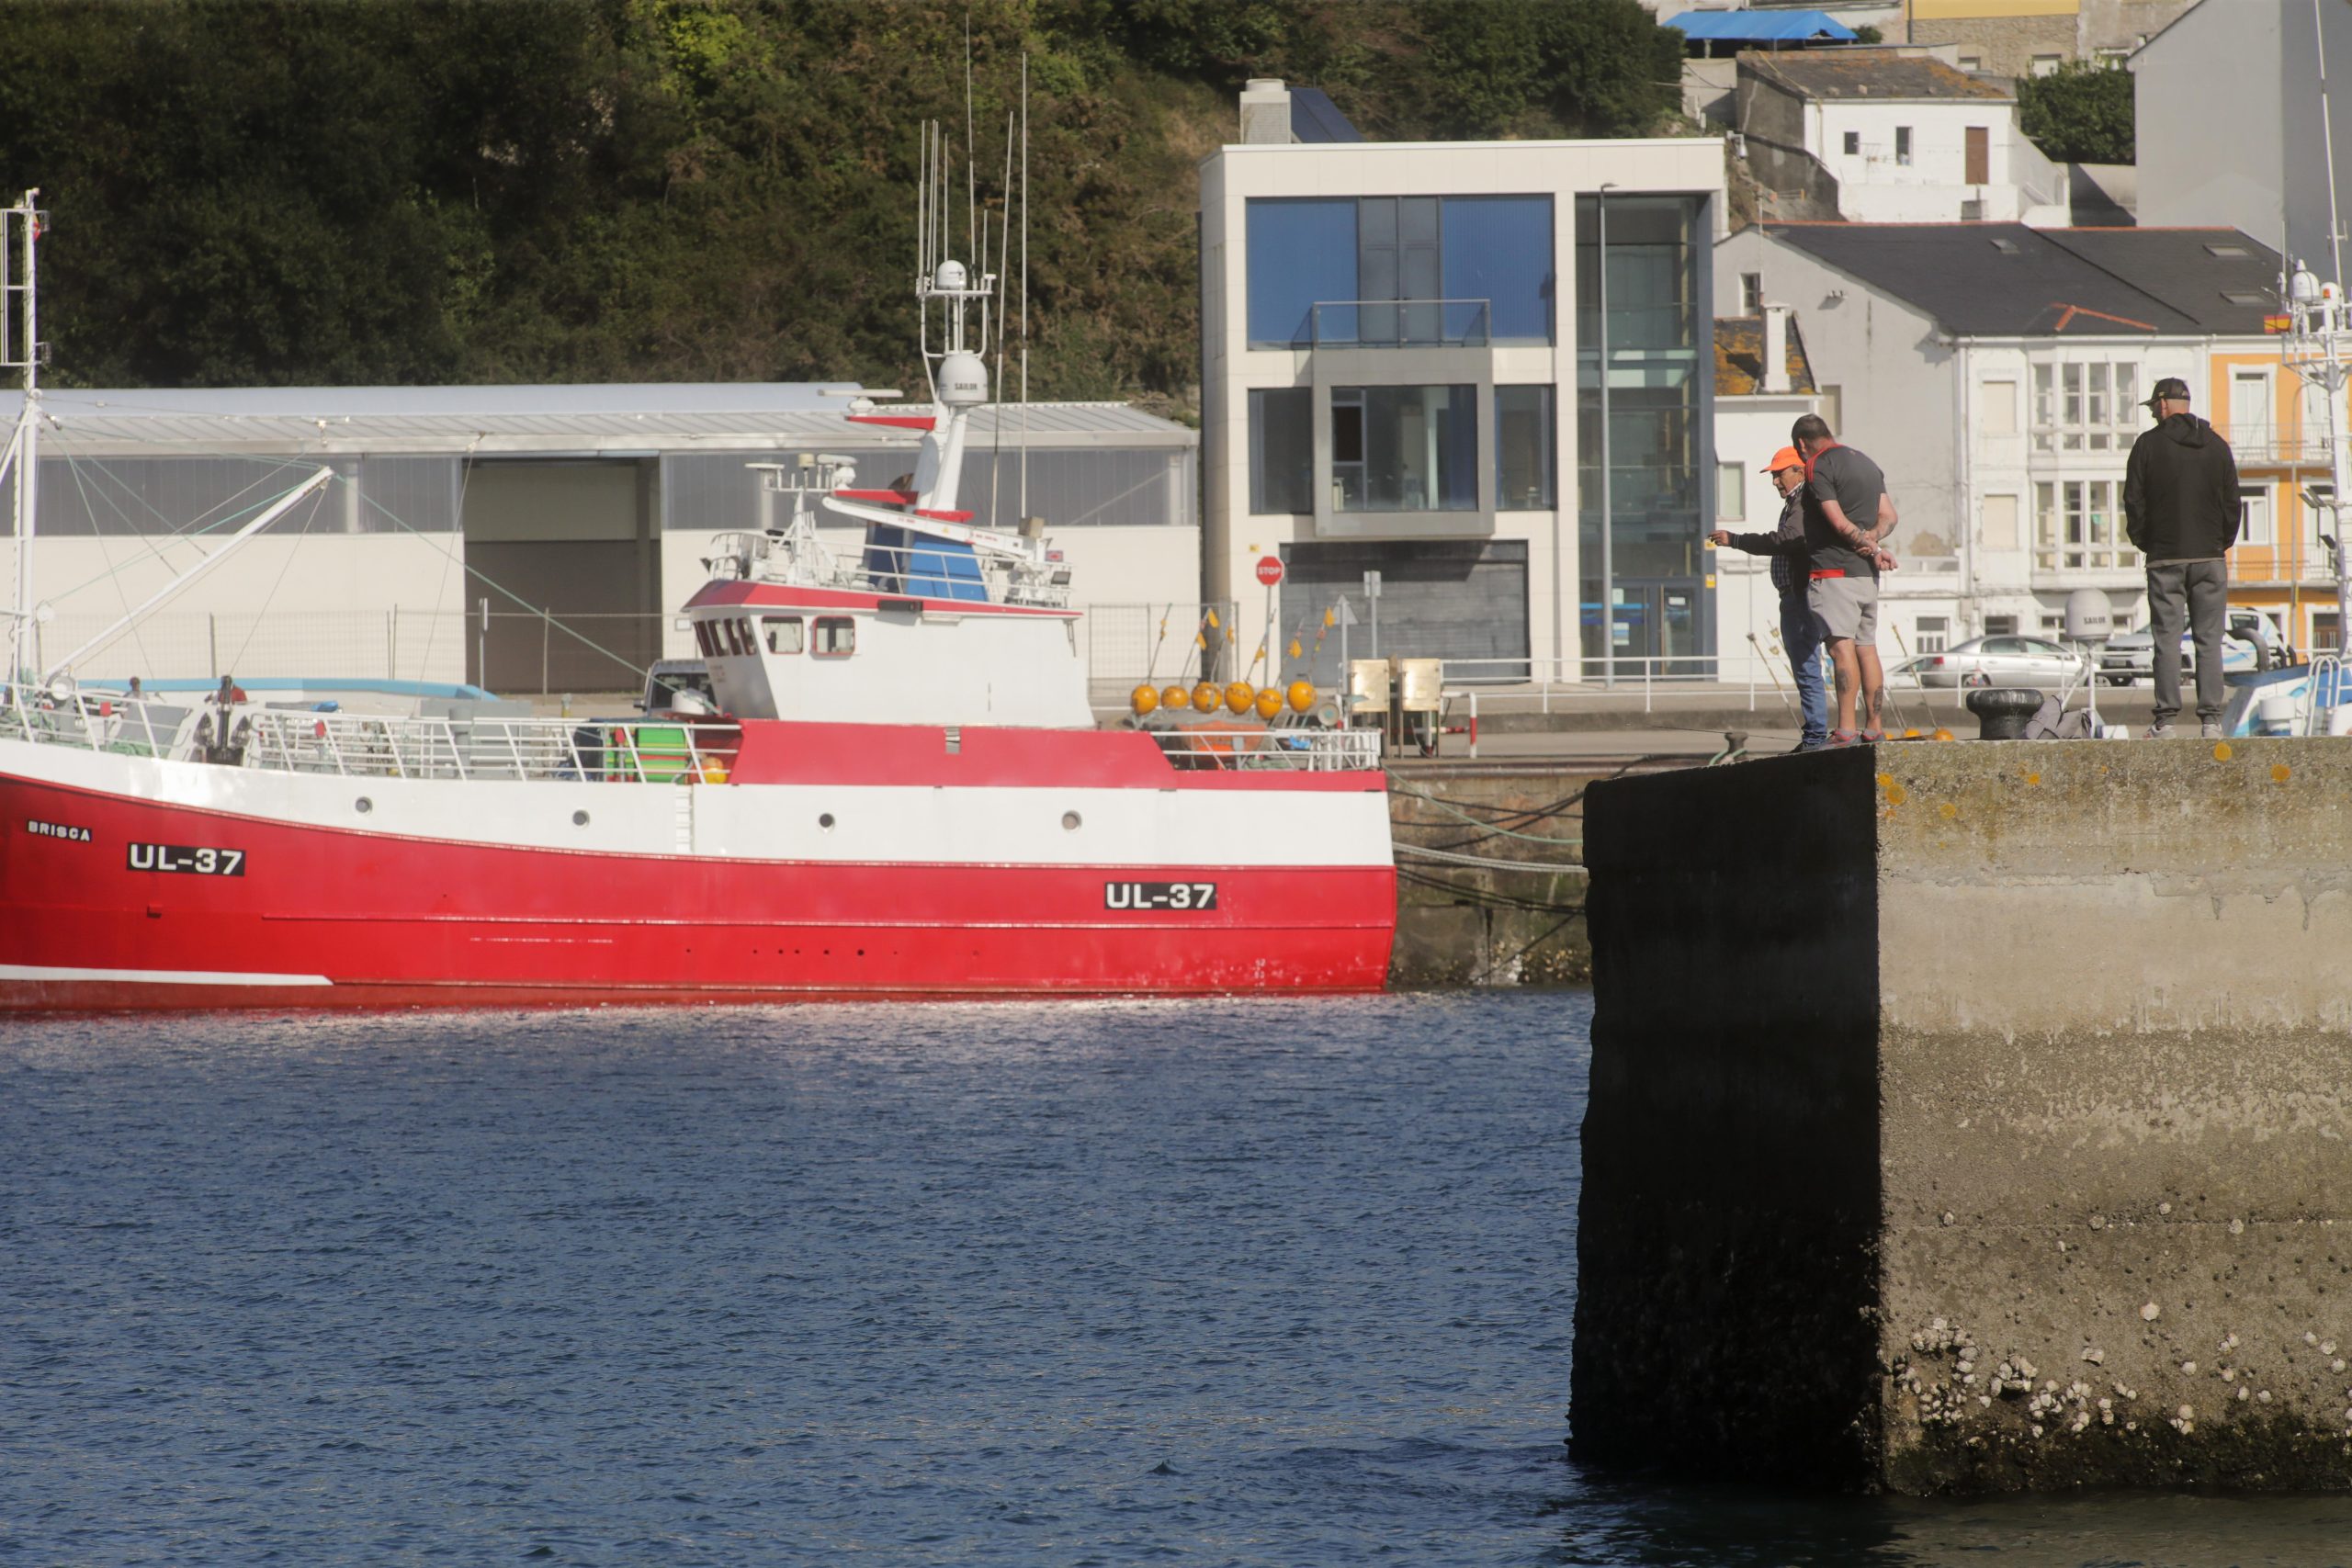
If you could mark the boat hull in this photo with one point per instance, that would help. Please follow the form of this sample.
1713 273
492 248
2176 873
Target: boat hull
118 899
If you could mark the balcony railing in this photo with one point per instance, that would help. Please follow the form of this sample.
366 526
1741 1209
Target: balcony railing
1400 323
2263 444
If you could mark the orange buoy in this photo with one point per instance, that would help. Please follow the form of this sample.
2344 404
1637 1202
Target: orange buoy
1270 701
1206 698
1302 695
1143 699
1239 695
1175 697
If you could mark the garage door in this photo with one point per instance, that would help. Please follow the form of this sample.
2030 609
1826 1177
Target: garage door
1444 600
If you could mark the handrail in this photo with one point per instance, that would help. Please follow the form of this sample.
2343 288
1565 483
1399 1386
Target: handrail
1276 748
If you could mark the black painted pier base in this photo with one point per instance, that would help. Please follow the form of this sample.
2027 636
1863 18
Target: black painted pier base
1973 1116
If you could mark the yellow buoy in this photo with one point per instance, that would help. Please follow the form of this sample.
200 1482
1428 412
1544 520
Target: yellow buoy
1270 701
714 770
1239 695
1175 697
1143 699
1302 695
1206 698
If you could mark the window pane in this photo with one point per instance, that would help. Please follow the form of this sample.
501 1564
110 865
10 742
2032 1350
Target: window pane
1300 251
1730 493
836 634
782 633
1524 452
1282 450
1419 445
2127 393
1500 248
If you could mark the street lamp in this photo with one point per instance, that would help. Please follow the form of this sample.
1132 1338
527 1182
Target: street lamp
1608 517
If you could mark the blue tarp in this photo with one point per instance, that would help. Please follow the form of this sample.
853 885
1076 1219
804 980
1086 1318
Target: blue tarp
1761 27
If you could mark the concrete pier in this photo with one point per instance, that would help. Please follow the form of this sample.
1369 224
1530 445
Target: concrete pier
1973 1117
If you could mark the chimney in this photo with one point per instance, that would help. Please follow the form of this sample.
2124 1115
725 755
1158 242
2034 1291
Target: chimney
1776 349
1265 112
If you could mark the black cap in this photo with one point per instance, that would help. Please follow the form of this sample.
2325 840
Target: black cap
2171 388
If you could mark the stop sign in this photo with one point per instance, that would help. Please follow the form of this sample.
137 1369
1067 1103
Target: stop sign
1269 570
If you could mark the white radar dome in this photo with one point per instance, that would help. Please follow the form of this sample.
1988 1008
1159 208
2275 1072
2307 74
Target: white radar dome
963 381
950 276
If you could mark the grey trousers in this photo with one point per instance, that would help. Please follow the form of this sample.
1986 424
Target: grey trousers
2202 587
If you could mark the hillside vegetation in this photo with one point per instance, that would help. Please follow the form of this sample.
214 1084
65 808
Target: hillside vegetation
299 193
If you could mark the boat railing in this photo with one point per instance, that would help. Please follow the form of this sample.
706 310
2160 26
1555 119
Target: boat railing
1297 749
612 751
379 745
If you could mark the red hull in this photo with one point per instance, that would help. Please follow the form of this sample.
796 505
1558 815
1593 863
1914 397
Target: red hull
389 921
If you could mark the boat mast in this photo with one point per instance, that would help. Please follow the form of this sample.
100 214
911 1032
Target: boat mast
21 349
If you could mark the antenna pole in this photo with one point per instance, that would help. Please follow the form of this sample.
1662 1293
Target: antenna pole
1024 286
24 227
2327 141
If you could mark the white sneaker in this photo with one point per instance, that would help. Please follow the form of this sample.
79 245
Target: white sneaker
2213 730
2157 732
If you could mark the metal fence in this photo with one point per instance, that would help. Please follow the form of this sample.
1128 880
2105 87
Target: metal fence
1127 644
415 644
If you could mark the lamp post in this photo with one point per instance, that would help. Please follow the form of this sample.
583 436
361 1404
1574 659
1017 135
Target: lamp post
1608 517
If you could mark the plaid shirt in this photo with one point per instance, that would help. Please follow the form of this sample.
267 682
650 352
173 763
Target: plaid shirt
1785 545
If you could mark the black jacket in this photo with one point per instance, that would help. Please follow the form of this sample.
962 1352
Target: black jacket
1785 545
2180 491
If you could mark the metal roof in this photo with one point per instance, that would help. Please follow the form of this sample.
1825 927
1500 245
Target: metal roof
2006 280
561 421
1761 27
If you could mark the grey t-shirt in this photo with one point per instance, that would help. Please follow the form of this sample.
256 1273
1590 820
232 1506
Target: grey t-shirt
1845 476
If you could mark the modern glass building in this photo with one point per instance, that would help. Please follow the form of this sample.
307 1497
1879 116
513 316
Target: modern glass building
1390 385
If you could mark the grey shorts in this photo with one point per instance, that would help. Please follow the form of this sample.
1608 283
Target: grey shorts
1845 608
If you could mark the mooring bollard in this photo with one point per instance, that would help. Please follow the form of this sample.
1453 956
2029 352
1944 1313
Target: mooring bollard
2002 711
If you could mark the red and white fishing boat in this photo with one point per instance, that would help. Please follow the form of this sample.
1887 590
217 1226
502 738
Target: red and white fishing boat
903 792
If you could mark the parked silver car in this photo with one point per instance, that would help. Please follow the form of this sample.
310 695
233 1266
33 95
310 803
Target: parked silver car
2004 661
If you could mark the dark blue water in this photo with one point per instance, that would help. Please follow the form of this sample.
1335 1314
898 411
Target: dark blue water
1285 1284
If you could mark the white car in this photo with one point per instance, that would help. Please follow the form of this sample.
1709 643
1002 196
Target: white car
2004 661
2251 643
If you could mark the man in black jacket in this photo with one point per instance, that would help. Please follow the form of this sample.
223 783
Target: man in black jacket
2181 509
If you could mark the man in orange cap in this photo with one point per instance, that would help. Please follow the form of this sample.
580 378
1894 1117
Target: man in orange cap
1799 633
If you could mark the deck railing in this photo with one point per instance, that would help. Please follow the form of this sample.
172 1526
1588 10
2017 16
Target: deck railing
1295 749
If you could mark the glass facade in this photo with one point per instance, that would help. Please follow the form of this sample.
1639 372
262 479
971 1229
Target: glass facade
1657 443
1282 450
1490 258
1300 251
1523 461
1405 449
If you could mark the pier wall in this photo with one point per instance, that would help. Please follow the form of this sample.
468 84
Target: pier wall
1973 1117
1521 924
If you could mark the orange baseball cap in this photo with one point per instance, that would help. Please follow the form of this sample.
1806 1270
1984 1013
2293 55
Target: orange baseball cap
1786 458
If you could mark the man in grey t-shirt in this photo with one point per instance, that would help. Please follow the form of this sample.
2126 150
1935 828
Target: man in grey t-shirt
1847 511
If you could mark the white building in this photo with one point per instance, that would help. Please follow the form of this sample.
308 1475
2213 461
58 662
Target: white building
1390 385
582 507
2255 157
1891 136
1997 372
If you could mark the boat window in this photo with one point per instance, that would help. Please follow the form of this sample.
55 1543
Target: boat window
734 634
707 638
751 640
783 633
836 634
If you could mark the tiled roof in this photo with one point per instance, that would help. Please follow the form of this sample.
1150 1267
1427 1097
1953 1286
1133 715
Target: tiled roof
2006 280
1739 356
1869 73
